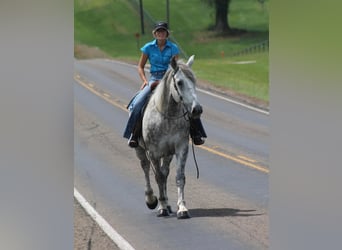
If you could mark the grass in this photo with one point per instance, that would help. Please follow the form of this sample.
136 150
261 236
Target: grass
111 25
247 74
106 24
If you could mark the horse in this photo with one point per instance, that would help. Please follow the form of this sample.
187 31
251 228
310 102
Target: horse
165 133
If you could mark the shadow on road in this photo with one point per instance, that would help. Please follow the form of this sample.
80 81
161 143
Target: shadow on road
221 212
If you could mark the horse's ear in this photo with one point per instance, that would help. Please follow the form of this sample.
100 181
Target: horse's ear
190 61
173 63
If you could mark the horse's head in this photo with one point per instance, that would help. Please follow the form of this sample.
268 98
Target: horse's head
183 87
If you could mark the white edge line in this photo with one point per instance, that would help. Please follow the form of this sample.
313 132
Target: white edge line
212 94
235 102
104 225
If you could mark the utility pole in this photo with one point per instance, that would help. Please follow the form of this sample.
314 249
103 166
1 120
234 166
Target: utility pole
142 17
168 12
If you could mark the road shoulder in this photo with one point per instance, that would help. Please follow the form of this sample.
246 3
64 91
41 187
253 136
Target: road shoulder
87 233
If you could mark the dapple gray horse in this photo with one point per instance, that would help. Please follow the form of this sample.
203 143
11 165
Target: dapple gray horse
165 133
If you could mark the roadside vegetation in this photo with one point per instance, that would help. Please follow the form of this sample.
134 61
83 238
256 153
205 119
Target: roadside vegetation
110 27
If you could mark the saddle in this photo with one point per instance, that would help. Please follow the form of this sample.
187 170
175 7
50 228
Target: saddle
154 84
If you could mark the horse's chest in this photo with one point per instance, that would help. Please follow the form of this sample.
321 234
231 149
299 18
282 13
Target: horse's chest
163 132
173 129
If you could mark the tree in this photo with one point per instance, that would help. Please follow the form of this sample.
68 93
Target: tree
221 16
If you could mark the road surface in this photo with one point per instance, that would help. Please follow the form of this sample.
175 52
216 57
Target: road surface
228 203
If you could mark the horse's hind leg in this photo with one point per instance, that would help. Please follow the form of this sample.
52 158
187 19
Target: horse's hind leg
150 199
182 212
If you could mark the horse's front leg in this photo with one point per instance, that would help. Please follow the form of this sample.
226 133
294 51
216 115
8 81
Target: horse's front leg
150 199
182 212
165 169
161 174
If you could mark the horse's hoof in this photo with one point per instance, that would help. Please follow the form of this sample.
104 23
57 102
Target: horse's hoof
183 215
154 203
169 209
163 213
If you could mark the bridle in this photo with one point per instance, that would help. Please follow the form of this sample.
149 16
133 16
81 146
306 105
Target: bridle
174 83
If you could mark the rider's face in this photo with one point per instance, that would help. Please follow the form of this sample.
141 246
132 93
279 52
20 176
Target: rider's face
161 33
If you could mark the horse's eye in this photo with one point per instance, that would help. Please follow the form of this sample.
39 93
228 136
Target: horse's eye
180 83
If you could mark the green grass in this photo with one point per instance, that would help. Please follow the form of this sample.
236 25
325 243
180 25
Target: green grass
247 78
107 24
111 25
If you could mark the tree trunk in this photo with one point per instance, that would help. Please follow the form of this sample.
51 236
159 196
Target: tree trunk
222 10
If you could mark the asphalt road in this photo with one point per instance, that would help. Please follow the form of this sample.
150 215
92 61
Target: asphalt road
228 203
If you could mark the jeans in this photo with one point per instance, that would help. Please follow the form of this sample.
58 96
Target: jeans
137 103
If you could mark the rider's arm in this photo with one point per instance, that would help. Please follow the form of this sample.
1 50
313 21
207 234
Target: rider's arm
141 67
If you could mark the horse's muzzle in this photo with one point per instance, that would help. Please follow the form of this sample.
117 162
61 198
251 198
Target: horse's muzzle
196 111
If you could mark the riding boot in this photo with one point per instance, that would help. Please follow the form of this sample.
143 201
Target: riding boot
197 131
133 140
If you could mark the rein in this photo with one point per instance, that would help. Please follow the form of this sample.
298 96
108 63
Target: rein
194 156
184 115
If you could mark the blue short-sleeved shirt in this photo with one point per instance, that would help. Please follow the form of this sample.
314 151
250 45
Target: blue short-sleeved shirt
159 60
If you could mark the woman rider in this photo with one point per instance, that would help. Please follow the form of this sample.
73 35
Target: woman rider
159 53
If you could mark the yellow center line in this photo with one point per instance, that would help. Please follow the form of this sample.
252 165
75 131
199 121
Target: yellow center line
230 157
242 159
105 96
246 158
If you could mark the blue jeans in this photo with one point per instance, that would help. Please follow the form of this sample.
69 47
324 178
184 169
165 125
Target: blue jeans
137 103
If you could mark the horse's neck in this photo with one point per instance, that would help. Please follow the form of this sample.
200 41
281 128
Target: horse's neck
161 99
164 100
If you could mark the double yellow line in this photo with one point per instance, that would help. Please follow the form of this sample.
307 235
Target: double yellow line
243 160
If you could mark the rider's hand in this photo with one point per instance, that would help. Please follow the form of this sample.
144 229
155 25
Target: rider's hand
143 85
